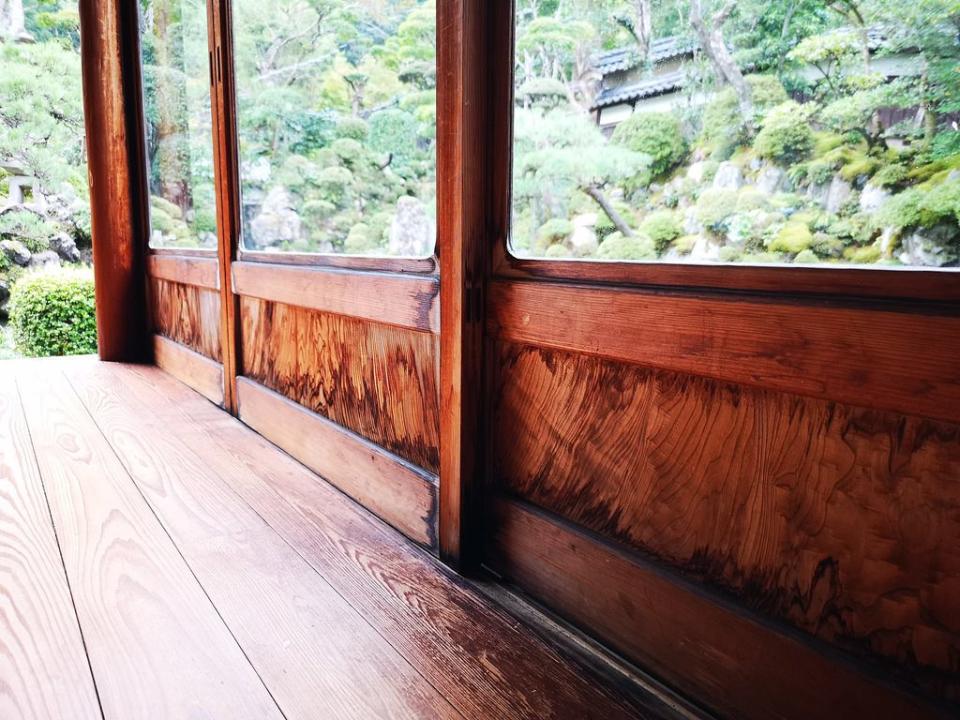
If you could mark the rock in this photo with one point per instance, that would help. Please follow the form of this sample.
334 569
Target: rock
691 225
64 246
837 194
887 241
728 177
583 240
277 221
818 193
4 292
697 171
873 197
756 164
932 247
953 175
45 260
705 250
16 251
769 179
412 231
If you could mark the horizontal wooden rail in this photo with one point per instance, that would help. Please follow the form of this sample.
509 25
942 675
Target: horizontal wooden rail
395 490
905 362
702 646
191 368
410 301
196 271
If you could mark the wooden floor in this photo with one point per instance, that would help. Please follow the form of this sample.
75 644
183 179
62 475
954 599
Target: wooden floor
160 560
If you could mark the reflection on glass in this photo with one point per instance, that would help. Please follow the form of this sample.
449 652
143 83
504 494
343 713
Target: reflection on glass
337 123
749 132
177 107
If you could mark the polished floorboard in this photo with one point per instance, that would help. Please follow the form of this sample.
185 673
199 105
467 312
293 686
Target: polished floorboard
160 560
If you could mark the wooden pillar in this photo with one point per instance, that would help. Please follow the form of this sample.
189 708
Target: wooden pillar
468 225
112 114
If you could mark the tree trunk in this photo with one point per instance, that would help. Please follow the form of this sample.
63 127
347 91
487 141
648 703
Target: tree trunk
616 218
726 69
643 27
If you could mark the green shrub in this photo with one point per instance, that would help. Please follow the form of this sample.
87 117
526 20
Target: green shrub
806 256
863 255
663 228
751 198
793 238
557 251
786 136
554 231
353 128
890 176
52 313
921 207
619 247
655 134
722 124
394 131
360 240
714 207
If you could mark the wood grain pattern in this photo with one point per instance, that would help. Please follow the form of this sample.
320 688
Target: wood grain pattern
330 661
199 372
486 663
905 362
116 175
377 380
184 269
408 301
400 493
44 672
156 645
733 664
844 522
187 315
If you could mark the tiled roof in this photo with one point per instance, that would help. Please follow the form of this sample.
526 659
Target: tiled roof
661 50
637 91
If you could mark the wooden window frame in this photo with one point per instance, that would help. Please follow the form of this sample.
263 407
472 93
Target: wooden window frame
781 280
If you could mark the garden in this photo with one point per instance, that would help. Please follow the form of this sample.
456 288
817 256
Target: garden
46 284
805 131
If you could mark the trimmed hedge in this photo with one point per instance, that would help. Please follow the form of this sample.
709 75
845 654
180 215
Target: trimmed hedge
52 313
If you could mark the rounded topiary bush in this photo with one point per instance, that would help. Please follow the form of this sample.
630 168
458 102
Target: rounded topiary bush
620 247
52 313
662 227
658 135
786 136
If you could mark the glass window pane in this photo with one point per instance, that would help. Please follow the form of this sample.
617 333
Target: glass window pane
775 133
337 124
176 80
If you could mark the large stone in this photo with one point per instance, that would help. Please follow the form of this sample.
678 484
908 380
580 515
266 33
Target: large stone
64 246
697 172
4 292
933 247
770 179
16 252
45 260
277 221
412 231
705 250
583 240
873 197
691 225
837 194
728 177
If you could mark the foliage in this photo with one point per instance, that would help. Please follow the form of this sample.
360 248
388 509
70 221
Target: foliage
785 135
620 247
662 227
793 238
722 128
30 228
714 207
657 135
52 313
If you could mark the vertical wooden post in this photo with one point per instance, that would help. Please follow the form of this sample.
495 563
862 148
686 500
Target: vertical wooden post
227 178
112 113
462 248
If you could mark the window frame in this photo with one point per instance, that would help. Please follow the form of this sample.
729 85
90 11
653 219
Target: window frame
778 280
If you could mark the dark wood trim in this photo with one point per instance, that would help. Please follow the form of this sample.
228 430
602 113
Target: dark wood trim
461 202
421 266
190 367
112 102
408 301
186 270
227 181
709 649
905 362
397 491
937 285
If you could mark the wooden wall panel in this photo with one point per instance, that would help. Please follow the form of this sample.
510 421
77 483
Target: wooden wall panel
842 521
187 314
377 380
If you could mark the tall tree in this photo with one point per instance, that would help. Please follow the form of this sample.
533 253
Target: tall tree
715 48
